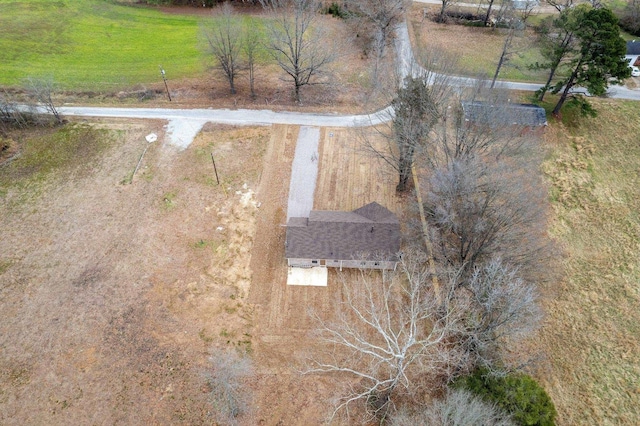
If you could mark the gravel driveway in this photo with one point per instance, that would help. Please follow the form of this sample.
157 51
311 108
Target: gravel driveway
304 171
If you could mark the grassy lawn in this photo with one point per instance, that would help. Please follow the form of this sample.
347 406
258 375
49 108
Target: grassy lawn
593 326
478 49
69 148
94 44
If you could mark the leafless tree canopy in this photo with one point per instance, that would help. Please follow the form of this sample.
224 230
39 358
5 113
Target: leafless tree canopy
41 91
457 408
225 376
479 210
503 309
251 48
224 39
381 18
386 333
299 48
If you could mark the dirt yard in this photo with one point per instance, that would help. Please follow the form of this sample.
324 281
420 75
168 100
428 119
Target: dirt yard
113 293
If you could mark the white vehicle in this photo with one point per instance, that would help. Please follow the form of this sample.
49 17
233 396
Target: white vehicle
635 71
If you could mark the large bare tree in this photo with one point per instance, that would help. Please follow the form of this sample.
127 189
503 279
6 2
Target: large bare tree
479 209
223 34
380 18
386 333
300 49
503 310
417 106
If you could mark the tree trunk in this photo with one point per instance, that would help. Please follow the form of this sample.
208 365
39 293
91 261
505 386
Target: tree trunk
297 94
546 87
565 92
404 174
495 76
251 81
486 18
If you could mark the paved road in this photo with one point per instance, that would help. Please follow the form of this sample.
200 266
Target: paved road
238 116
192 119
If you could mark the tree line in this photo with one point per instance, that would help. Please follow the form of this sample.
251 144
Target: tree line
292 39
422 330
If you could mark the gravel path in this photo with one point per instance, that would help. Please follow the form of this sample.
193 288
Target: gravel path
180 133
304 171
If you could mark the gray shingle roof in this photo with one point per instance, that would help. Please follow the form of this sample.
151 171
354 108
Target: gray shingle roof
633 47
369 233
505 114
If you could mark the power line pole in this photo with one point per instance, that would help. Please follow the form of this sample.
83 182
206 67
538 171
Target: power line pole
165 82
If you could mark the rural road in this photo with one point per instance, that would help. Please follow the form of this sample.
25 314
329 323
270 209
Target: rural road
184 124
539 8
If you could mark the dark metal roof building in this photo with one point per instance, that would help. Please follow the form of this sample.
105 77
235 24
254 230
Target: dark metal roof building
525 115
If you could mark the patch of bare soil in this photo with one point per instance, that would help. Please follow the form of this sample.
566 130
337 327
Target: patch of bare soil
112 294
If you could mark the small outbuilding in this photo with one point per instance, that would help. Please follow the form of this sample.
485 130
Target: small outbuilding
368 238
527 116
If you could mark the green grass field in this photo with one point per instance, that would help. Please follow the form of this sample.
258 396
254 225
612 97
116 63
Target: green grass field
95 44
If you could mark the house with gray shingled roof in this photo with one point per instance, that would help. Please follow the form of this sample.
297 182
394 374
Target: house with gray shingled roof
368 237
633 53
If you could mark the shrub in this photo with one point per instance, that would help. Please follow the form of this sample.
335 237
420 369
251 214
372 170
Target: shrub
518 394
335 10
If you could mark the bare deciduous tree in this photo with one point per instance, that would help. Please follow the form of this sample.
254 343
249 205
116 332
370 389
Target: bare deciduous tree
41 91
251 48
503 309
387 332
224 39
561 5
516 21
457 408
479 210
382 16
446 5
225 376
299 48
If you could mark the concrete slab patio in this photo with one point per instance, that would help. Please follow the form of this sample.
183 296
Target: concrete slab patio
315 277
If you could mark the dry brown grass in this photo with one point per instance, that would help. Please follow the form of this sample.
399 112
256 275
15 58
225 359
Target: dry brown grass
350 177
111 294
592 332
477 49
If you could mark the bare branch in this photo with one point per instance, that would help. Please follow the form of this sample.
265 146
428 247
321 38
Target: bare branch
223 36
225 378
298 47
387 331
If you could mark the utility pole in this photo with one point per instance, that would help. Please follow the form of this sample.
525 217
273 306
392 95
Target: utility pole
165 82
